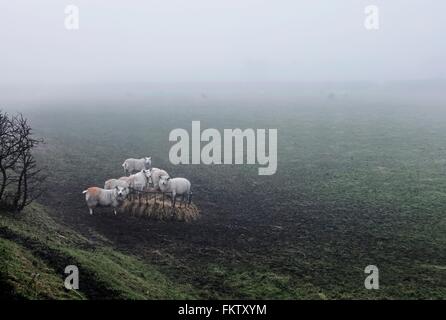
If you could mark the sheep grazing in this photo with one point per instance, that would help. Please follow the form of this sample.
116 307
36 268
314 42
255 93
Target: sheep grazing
95 196
112 183
138 181
135 165
154 175
176 186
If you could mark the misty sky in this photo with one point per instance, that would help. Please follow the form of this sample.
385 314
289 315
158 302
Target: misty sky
224 40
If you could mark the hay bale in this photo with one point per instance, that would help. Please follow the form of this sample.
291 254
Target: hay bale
151 206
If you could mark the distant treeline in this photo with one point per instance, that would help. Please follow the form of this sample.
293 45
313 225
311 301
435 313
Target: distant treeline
20 177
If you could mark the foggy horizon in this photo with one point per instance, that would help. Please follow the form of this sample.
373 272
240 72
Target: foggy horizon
202 42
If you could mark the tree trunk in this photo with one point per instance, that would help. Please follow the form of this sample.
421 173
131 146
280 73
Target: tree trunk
18 193
27 163
4 181
24 194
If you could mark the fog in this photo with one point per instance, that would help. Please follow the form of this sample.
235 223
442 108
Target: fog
172 41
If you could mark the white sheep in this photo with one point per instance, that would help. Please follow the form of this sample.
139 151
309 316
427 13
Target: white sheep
112 183
138 181
95 196
135 165
176 186
125 178
154 175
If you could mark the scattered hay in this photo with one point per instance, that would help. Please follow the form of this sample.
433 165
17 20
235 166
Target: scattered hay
154 209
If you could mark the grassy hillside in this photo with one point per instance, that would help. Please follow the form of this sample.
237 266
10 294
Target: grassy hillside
34 251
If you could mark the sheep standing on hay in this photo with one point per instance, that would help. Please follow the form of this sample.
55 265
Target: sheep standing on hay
112 183
176 186
154 175
134 165
100 197
138 181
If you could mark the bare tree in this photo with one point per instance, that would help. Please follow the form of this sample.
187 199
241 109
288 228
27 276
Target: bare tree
20 175
8 150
